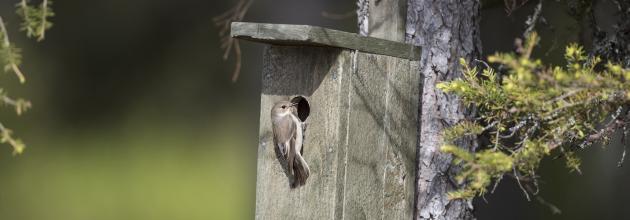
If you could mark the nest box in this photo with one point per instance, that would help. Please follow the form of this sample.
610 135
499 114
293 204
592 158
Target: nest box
359 98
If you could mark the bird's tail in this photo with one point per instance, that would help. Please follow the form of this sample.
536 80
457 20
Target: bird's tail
301 170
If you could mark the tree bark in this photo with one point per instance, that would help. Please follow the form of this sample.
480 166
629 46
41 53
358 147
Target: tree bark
446 30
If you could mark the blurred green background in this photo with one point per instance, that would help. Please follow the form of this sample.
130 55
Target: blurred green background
135 117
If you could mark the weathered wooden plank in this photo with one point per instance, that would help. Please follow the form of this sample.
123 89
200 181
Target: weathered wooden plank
366 145
382 138
287 34
387 19
401 129
317 74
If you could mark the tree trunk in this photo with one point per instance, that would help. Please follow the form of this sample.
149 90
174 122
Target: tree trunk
446 30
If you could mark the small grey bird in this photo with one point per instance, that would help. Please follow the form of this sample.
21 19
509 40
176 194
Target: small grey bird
288 136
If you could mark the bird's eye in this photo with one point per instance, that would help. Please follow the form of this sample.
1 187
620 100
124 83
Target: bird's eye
284 106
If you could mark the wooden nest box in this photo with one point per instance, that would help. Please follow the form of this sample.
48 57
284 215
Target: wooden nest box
359 98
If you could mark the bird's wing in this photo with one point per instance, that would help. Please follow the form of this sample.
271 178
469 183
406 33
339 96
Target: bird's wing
299 133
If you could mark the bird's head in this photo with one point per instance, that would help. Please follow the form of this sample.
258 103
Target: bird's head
282 108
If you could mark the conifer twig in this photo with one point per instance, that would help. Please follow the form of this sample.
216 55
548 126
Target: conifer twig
6 136
42 28
7 45
518 180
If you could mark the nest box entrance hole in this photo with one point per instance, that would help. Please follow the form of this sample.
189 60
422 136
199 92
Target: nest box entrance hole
303 108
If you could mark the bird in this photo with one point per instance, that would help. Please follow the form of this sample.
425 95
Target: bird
288 135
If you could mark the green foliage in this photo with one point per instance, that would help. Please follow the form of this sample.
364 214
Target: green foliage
35 23
462 129
529 157
35 18
19 104
6 137
533 110
478 169
573 162
10 56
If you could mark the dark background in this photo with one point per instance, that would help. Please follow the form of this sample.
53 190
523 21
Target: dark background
135 117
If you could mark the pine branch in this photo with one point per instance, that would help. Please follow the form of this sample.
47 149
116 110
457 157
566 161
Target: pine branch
10 55
533 110
35 19
6 136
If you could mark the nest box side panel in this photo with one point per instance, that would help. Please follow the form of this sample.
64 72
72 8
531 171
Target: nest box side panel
401 129
382 138
319 74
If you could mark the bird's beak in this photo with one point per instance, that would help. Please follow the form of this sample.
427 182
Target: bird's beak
294 104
